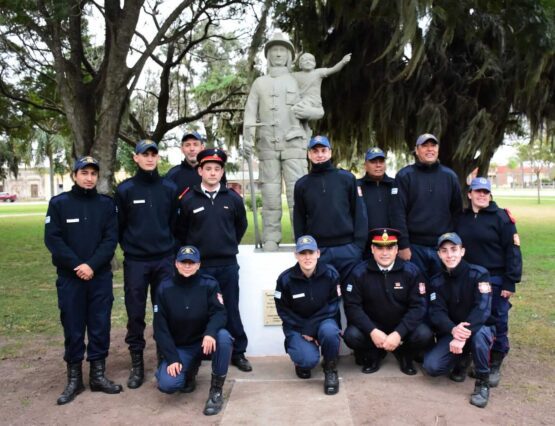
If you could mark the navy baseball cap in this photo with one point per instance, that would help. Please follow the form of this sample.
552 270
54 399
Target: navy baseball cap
191 135
188 253
480 183
425 138
144 145
306 242
215 155
452 237
319 140
374 153
83 162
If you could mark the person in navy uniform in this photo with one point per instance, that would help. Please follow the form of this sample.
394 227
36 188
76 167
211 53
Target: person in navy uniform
385 305
213 218
189 321
459 311
185 174
426 201
307 301
376 188
147 209
491 240
81 232
329 206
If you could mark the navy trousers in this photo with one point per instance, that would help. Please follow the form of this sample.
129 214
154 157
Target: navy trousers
426 259
439 360
228 278
137 276
419 339
306 354
85 306
500 307
343 258
190 356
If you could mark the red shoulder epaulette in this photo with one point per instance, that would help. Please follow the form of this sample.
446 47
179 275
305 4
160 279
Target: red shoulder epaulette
511 217
183 193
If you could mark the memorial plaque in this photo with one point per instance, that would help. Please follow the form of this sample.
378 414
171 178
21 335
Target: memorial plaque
271 316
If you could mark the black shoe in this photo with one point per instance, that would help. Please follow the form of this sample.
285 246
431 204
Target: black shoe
137 374
98 381
360 357
74 384
458 374
215 400
331 379
241 363
480 396
495 371
302 373
190 380
371 366
407 366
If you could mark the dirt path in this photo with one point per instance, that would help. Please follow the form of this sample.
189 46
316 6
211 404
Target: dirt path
272 395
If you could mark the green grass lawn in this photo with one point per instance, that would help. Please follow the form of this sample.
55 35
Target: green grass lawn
28 304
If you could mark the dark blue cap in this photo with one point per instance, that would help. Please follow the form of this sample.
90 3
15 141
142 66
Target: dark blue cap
480 183
188 253
145 145
83 162
425 138
191 135
215 155
452 237
319 140
306 242
373 153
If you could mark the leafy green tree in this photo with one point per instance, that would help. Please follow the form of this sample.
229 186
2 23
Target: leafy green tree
540 155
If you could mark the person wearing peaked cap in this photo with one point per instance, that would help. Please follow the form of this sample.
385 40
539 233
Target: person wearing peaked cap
185 174
213 218
459 311
189 322
307 301
426 201
329 206
147 210
81 233
385 305
376 188
492 241
279 135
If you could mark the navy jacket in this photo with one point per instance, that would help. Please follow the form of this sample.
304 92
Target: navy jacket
329 207
303 303
426 202
186 310
147 210
377 198
215 227
392 301
185 177
491 241
464 294
81 227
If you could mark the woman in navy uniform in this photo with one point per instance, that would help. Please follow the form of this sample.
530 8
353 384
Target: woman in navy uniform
307 301
81 232
189 321
491 240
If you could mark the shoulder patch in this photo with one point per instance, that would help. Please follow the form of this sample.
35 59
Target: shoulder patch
511 217
359 191
516 240
433 296
277 294
394 191
220 298
422 288
349 288
47 220
338 290
155 308
484 287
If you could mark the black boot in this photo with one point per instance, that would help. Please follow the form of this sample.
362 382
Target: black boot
495 373
98 381
191 379
74 383
458 374
137 374
215 400
331 380
480 396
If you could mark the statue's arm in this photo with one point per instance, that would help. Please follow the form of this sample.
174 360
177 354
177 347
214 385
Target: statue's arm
339 66
249 119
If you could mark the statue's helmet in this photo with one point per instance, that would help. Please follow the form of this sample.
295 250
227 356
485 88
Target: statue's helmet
279 39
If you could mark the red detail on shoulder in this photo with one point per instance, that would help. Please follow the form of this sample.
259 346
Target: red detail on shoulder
511 217
183 193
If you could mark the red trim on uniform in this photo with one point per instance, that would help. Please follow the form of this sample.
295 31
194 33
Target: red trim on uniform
513 220
183 193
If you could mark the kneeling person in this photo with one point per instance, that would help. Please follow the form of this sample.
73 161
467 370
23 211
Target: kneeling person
385 305
189 321
460 306
307 301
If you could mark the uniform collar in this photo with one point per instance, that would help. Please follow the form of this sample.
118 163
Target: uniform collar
147 176
426 167
322 167
82 192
